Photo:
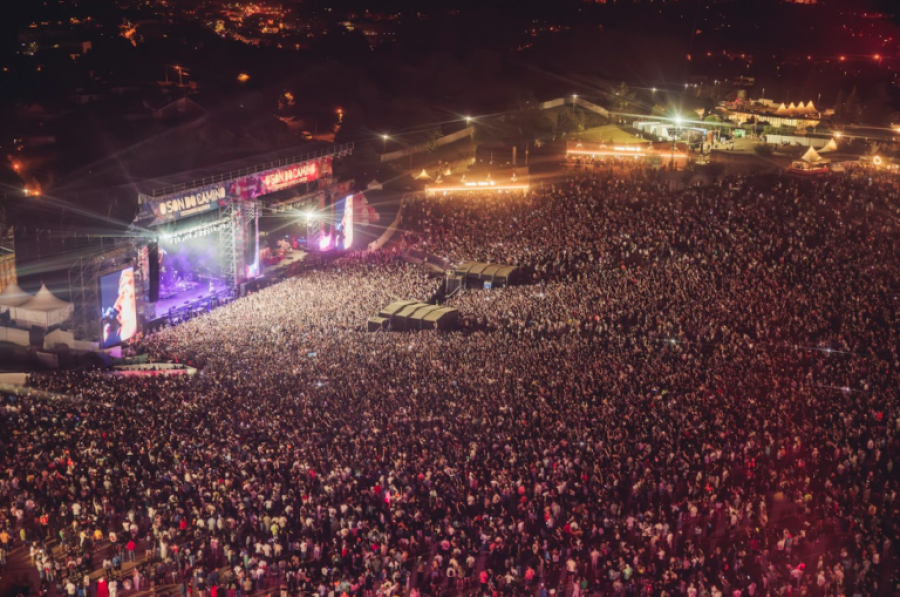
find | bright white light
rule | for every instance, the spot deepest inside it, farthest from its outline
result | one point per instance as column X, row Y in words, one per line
column 310, row 215
column 324, row 243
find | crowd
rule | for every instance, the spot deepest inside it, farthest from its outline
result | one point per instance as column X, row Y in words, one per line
column 695, row 395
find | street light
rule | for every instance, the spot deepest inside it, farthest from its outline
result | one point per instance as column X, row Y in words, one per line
column 384, row 139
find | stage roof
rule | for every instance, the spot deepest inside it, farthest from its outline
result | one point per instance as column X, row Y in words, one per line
column 116, row 175
column 609, row 133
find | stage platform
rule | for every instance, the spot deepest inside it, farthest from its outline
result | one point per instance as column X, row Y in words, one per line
column 182, row 299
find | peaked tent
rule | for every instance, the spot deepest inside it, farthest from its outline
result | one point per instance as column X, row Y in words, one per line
column 13, row 296
column 782, row 109
column 812, row 157
column 44, row 310
column 423, row 175
column 830, row 146
column 811, row 107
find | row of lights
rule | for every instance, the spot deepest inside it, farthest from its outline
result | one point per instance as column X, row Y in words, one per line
column 183, row 236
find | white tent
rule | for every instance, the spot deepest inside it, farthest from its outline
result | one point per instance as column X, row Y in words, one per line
column 13, row 296
column 830, row 146
column 811, row 107
column 812, row 157
column 374, row 185
column 782, row 109
column 44, row 310
column 423, row 175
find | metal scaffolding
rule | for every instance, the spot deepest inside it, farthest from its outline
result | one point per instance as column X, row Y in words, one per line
column 228, row 244
column 84, row 288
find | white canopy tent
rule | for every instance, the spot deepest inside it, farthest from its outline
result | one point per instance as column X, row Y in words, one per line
column 44, row 310
column 13, row 296
column 830, row 146
column 812, row 157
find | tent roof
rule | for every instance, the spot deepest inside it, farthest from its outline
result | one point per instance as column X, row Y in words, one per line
column 395, row 307
column 45, row 301
column 812, row 156
column 421, row 313
column 13, row 296
column 410, row 309
column 422, row 175
column 439, row 313
column 608, row 133
column 830, row 146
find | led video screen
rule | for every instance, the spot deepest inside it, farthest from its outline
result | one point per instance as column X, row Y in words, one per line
column 343, row 218
column 118, row 307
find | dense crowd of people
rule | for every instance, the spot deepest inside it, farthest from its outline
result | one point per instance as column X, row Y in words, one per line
column 695, row 394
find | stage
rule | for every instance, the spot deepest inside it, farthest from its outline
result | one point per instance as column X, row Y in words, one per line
column 193, row 297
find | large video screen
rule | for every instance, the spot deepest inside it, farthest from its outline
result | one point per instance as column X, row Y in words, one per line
column 118, row 308
column 343, row 218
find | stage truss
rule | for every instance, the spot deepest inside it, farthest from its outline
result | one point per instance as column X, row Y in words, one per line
column 240, row 218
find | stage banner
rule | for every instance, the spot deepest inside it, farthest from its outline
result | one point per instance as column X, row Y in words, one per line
column 282, row 178
column 159, row 210
column 189, row 203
